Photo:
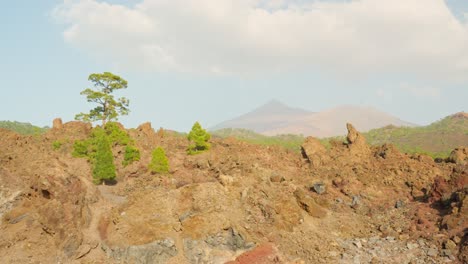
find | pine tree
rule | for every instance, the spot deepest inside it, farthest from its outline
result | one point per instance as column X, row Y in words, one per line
column 103, row 164
column 108, row 108
column 159, row 162
column 199, row 138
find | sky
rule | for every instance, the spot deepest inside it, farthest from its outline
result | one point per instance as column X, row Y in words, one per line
column 213, row 60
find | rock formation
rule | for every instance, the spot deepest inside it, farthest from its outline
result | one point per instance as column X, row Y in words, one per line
column 356, row 142
column 57, row 123
column 314, row 151
column 459, row 156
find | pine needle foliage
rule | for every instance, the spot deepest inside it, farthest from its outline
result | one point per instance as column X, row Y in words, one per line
column 131, row 154
column 108, row 107
column 159, row 162
column 103, row 165
column 199, row 139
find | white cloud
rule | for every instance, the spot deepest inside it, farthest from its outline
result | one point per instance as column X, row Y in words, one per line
column 360, row 37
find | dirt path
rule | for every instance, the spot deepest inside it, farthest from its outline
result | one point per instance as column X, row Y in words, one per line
column 91, row 235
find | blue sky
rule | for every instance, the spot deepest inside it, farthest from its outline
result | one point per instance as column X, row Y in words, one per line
column 211, row 60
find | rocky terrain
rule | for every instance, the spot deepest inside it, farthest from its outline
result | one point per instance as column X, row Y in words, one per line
column 236, row 203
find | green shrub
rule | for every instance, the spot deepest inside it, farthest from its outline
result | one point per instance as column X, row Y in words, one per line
column 56, row 145
column 159, row 162
column 199, row 138
column 81, row 149
column 103, row 164
column 116, row 134
column 131, row 154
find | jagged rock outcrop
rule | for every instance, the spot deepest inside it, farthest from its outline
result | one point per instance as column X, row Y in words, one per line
column 146, row 129
column 356, row 142
column 314, row 151
column 57, row 123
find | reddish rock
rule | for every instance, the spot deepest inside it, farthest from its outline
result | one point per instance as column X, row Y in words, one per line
column 264, row 254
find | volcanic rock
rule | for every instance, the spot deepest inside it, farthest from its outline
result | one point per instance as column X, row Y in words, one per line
column 459, row 156
column 356, row 142
column 309, row 205
column 57, row 123
column 314, row 151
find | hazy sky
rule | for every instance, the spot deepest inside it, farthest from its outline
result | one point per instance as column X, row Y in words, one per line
column 212, row 60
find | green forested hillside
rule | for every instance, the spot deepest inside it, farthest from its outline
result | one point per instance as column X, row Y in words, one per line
column 436, row 139
column 22, row 128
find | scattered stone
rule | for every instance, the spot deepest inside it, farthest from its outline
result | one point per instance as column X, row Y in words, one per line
column 411, row 246
column 357, row 244
column 432, row 252
column 356, row 201
column 277, row 178
column 338, row 182
column 319, row 188
column 399, row 204
column 449, row 244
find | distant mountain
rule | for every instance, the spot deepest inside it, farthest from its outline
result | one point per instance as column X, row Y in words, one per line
column 22, row 128
column 276, row 118
column 270, row 116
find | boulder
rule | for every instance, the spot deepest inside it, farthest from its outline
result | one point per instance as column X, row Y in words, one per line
column 314, row 151
column 387, row 151
column 309, row 205
column 459, row 156
column 319, row 188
